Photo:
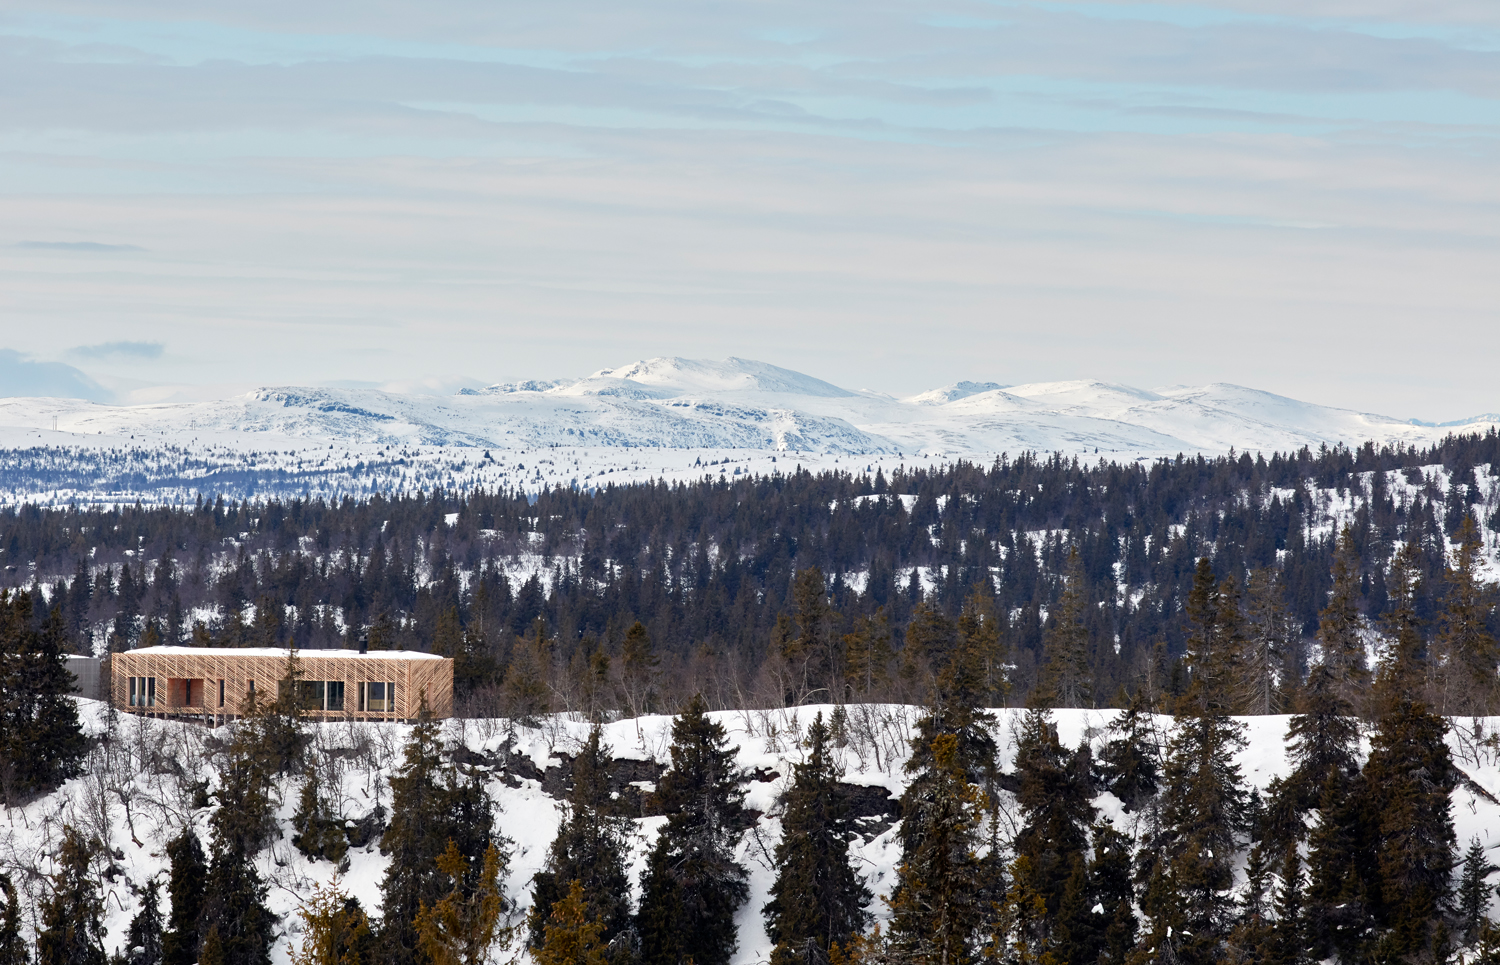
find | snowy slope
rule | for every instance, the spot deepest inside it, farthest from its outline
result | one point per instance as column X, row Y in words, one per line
column 659, row 418
column 137, row 802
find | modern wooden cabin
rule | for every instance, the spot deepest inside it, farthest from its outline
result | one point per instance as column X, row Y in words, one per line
column 211, row 682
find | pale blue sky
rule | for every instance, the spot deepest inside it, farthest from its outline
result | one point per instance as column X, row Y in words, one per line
column 1299, row 196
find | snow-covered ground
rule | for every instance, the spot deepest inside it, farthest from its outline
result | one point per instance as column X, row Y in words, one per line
column 160, row 761
column 666, row 418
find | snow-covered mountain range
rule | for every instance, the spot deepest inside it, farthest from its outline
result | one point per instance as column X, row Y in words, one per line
column 683, row 412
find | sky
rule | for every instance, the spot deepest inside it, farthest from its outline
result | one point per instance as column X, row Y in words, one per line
column 1301, row 196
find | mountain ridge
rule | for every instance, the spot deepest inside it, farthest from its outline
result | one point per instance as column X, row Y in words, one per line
column 687, row 412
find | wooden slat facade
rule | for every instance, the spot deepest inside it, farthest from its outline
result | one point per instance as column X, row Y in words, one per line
column 187, row 680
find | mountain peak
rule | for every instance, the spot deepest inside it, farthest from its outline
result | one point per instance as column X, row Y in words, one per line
column 688, row 376
column 952, row 393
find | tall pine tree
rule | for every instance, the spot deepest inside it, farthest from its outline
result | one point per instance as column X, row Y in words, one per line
column 72, row 931
column 1127, row 762
column 589, row 850
column 1066, row 677
column 693, row 884
column 41, row 741
column 1469, row 651
column 13, row 949
column 1054, row 796
column 431, row 806
column 818, row 899
column 1190, row 860
column 187, row 879
column 1409, row 779
column 1341, row 626
column 938, row 902
column 143, row 941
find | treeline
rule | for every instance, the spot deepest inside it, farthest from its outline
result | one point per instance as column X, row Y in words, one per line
column 537, row 596
column 1351, row 858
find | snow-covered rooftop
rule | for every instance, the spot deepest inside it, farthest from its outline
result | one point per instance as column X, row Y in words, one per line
column 282, row 652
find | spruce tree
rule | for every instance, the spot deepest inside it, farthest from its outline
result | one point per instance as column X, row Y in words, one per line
column 1487, row 947
column 245, row 820
column 525, row 688
column 867, row 656
column 1322, row 739
column 335, row 930
column 1190, row 861
column 1409, row 779
column 1127, row 762
column 234, row 906
column 1474, row 891
column 959, row 698
column 1253, row 937
column 1066, row 677
column 186, row 882
column 318, row 832
column 1270, row 643
column 1054, row 798
column 1096, row 921
column 213, row 948
column 464, row 925
column 983, row 648
column 13, row 949
column 813, row 655
column 589, row 849
column 1289, row 943
column 1341, row 625
column 937, row 903
column 72, row 926
column 638, row 676
column 1469, row 651
column 1343, row 888
column 430, row 807
column 143, row 941
column 693, row 885
column 41, row 741
column 1406, row 668
column 570, row 936
column 818, row 899
column 1216, row 644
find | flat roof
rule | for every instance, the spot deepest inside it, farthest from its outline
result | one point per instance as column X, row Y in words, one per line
column 282, row 653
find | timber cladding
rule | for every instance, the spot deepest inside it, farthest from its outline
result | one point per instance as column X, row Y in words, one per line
column 332, row 684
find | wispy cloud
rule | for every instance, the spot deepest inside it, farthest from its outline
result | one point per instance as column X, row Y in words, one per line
column 105, row 350
column 76, row 246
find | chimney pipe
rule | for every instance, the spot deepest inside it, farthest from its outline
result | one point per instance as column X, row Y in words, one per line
column 364, row 643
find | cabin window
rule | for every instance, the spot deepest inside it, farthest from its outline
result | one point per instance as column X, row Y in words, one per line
column 143, row 691
column 377, row 697
column 320, row 694
column 221, row 692
column 310, row 694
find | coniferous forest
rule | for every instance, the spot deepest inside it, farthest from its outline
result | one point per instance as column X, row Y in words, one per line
column 1068, row 674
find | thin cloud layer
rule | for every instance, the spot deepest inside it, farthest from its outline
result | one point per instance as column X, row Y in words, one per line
column 132, row 350
column 896, row 194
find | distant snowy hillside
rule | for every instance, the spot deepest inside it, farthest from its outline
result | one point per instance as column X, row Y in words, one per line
column 659, row 418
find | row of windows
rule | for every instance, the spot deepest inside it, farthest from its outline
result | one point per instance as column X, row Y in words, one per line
column 375, row 697
column 143, row 691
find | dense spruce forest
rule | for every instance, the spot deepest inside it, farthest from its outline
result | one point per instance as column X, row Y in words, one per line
column 537, row 596
column 1350, row 591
